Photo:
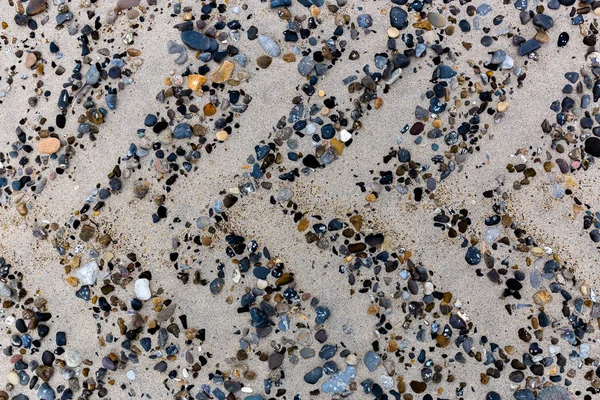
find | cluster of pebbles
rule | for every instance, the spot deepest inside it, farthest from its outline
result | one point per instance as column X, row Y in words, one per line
column 551, row 358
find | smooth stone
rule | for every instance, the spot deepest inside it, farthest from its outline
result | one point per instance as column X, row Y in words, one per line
column 269, row 46
column 529, row 47
column 125, row 4
column 313, row 376
column 436, row 19
column 141, row 289
column 372, row 360
column 196, row 40
column 182, row 131
column 338, row 382
column 48, row 145
column 35, row 7
column 398, row 18
column 554, row 393
column 473, row 256
column 592, row 146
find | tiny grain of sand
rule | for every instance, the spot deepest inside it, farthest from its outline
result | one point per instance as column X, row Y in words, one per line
column 410, row 295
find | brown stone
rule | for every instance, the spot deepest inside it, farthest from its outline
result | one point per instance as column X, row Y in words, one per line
column 87, row 232
column 49, row 145
column 30, row 60
column 264, row 61
column 223, row 73
column 35, row 7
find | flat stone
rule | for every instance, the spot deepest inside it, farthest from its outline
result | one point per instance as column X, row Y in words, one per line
column 223, row 73
column 195, row 40
column 48, row 145
column 125, row 4
column 35, row 7
column 269, row 46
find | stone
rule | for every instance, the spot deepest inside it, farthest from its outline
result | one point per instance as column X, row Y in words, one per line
column 48, row 145
column 182, row 131
column 554, row 393
column 73, row 358
column 269, row 46
column 592, row 146
column 398, row 18
column 223, row 73
column 196, row 81
column 141, row 289
column 125, row 4
column 436, row 19
column 195, row 40
column 35, row 7
column 88, row 273
column 313, row 376
column 30, row 60
column 338, row 382
column 372, row 360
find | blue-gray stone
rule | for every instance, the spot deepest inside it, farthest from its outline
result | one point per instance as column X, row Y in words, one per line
column 338, row 382
column 323, row 314
column 111, row 101
column 269, row 46
column 45, row 392
column 398, row 18
column 182, row 131
column 313, row 376
column 554, row 393
column 473, row 256
column 196, row 40
column 328, row 351
column 306, row 65
column 443, row 71
column 372, row 360
column 521, row 5
column 524, row 394
column 216, row 285
column 364, row 20
column 280, row 3
column 543, row 21
column 484, row 9
column 529, row 47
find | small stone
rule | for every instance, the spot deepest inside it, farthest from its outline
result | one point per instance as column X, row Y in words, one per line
column 48, row 145
column 88, row 273
column 264, row 61
column 30, row 60
column 436, row 19
column 372, row 360
column 269, row 46
column 222, row 136
column 196, row 81
column 141, row 289
column 313, row 376
column 223, row 73
column 542, row 297
column 35, row 7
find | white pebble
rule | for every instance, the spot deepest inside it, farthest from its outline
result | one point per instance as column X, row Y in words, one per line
column 141, row 289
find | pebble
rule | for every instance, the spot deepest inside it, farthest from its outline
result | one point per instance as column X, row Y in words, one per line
column 141, row 289
column 372, row 360
column 49, row 145
column 398, row 18
column 88, row 273
column 269, row 46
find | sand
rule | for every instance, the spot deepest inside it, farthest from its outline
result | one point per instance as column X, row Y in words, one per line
column 331, row 192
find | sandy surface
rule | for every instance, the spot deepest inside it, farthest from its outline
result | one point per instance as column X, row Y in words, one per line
column 330, row 192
